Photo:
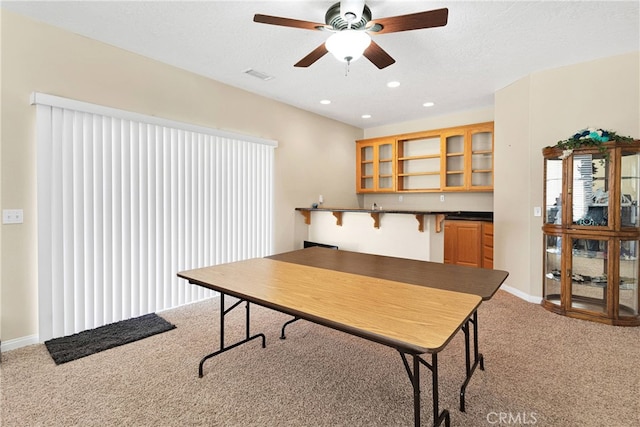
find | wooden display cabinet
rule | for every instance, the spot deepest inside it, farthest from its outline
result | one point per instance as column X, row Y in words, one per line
column 592, row 234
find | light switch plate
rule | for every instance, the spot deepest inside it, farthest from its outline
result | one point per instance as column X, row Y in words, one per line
column 537, row 211
column 12, row 216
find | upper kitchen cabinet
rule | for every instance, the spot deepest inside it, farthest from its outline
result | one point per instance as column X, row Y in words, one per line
column 375, row 165
column 467, row 161
column 451, row 159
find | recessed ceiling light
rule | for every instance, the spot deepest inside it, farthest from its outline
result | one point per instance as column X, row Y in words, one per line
column 428, row 104
column 325, row 102
column 393, row 84
column 366, row 116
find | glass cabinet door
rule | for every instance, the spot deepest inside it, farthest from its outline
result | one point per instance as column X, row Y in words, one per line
column 385, row 167
column 552, row 269
column 454, row 170
column 628, row 288
column 589, row 272
column 553, row 191
column 375, row 166
column 629, row 188
column 481, row 159
column 590, row 190
column 366, row 167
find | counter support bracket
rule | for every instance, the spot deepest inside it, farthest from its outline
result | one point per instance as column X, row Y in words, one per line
column 376, row 219
column 307, row 216
column 338, row 216
column 439, row 220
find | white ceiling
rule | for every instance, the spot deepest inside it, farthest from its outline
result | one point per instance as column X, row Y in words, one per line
column 485, row 46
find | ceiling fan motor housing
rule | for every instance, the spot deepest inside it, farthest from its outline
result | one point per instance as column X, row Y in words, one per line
column 337, row 22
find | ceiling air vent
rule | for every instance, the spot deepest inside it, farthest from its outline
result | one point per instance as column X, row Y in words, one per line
column 257, row 74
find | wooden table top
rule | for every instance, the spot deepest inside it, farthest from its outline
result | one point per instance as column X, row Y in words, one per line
column 414, row 319
column 477, row 281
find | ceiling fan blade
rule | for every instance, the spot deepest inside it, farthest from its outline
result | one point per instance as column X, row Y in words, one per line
column 287, row 22
column 412, row 21
column 316, row 54
column 378, row 56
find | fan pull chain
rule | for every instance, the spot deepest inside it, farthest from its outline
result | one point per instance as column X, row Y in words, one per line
column 346, row 68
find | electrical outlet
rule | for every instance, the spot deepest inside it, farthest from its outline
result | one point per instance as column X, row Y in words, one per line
column 12, row 216
column 400, row 199
column 442, row 197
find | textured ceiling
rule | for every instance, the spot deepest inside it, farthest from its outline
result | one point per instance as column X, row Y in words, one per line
column 485, row 46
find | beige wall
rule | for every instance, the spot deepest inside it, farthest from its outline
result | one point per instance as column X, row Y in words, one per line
column 40, row 58
column 512, row 184
column 433, row 122
column 538, row 111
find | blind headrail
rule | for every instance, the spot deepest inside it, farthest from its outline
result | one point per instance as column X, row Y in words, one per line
column 38, row 98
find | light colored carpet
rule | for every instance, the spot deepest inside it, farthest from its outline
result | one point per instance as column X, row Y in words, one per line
column 541, row 369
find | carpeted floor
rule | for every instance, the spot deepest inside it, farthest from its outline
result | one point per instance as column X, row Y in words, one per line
column 541, row 369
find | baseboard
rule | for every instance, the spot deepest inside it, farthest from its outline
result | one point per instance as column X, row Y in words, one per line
column 19, row 342
column 521, row 295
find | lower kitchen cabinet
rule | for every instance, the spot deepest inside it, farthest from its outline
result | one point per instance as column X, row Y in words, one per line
column 468, row 243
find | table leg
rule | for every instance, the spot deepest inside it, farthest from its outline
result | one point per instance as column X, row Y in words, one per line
column 224, row 348
column 444, row 415
column 415, row 382
column 478, row 358
column 282, row 335
column 414, row 377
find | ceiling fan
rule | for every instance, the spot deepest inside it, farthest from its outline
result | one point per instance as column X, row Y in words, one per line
column 351, row 23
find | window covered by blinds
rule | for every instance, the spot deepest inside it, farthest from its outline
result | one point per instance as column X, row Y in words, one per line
column 125, row 201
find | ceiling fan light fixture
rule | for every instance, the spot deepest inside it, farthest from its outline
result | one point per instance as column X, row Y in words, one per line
column 348, row 45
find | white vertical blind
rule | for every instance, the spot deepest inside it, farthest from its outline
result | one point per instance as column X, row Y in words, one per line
column 126, row 201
